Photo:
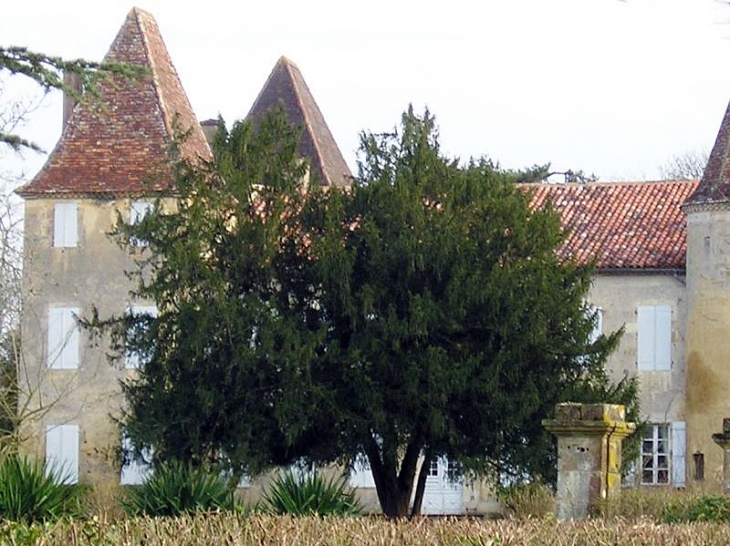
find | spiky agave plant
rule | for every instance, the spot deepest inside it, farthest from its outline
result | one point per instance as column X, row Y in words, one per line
column 176, row 488
column 310, row 494
column 30, row 491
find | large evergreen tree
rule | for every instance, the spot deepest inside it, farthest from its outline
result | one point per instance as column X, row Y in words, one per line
column 422, row 313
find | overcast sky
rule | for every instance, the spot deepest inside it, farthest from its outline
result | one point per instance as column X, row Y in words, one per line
column 614, row 88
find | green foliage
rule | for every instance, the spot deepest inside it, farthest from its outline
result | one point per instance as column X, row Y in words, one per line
column 310, row 494
column 424, row 311
column 176, row 488
column 224, row 379
column 48, row 72
column 28, row 494
column 705, row 508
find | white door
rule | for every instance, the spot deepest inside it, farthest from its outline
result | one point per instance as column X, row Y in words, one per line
column 442, row 496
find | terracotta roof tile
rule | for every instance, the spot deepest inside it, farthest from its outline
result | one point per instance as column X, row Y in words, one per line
column 715, row 184
column 114, row 145
column 286, row 86
column 623, row 225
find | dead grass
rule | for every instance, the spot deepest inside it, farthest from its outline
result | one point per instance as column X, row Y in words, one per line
column 270, row 530
column 651, row 502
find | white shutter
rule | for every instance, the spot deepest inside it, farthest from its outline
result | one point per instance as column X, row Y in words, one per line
column 137, row 211
column 63, row 338
column 361, row 475
column 645, row 338
column 131, row 358
column 597, row 325
column 679, row 450
column 62, row 452
column 135, row 472
column 663, row 337
column 65, row 225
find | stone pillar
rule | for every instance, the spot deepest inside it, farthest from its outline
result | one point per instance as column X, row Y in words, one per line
column 589, row 454
column 723, row 440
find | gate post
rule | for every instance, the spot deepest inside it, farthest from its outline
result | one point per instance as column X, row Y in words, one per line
column 723, row 440
column 589, row 454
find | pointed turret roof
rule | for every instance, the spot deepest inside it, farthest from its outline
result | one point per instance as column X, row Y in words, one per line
column 714, row 188
column 286, row 86
column 111, row 146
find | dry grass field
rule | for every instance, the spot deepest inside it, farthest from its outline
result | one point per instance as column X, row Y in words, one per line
column 270, row 530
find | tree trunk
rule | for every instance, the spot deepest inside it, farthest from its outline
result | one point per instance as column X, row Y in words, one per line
column 394, row 488
column 421, row 484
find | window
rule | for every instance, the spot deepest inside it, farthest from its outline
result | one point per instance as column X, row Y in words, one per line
column 597, row 325
column 133, row 358
column 63, row 338
column 655, row 455
column 654, row 338
column 65, row 225
column 434, row 468
column 134, row 471
column 137, row 211
column 663, row 458
column 62, row 452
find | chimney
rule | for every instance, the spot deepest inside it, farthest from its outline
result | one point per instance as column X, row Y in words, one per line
column 73, row 81
column 210, row 129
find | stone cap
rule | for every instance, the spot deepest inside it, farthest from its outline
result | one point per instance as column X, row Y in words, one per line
column 723, row 438
column 572, row 411
column 575, row 419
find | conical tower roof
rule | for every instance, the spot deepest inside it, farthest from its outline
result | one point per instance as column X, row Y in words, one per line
column 714, row 187
column 113, row 145
column 286, row 86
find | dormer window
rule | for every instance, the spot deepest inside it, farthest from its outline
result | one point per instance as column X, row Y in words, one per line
column 65, row 225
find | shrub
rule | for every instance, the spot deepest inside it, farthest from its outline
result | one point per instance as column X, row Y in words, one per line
column 28, row 493
column 705, row 508
column 176, row 488
column 310, row 494
column 528, row 500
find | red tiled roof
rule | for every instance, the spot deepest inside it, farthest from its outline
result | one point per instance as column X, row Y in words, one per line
column 623, row 225
column 286, row 87
column 714, row 187
column 114, row 145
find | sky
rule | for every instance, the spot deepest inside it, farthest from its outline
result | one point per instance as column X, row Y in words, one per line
column 610, row 87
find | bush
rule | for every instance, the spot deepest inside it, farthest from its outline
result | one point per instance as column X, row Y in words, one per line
column 174, row 489
column 310, row 495
column 29, row 494
column 528, row 500
column 705, row 508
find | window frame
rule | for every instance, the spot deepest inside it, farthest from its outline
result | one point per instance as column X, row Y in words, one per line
column 650, row 459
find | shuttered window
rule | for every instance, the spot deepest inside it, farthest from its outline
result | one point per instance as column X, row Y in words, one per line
column 137, row 211
column 679, row 450
column 361, row 475
column 63, row 338
column 132, row 358
column 62, row 452
column 65, row 225
column 597, row 312
column 135, row 471
column 654, row 337
column 655, row 455
column 663, row 454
